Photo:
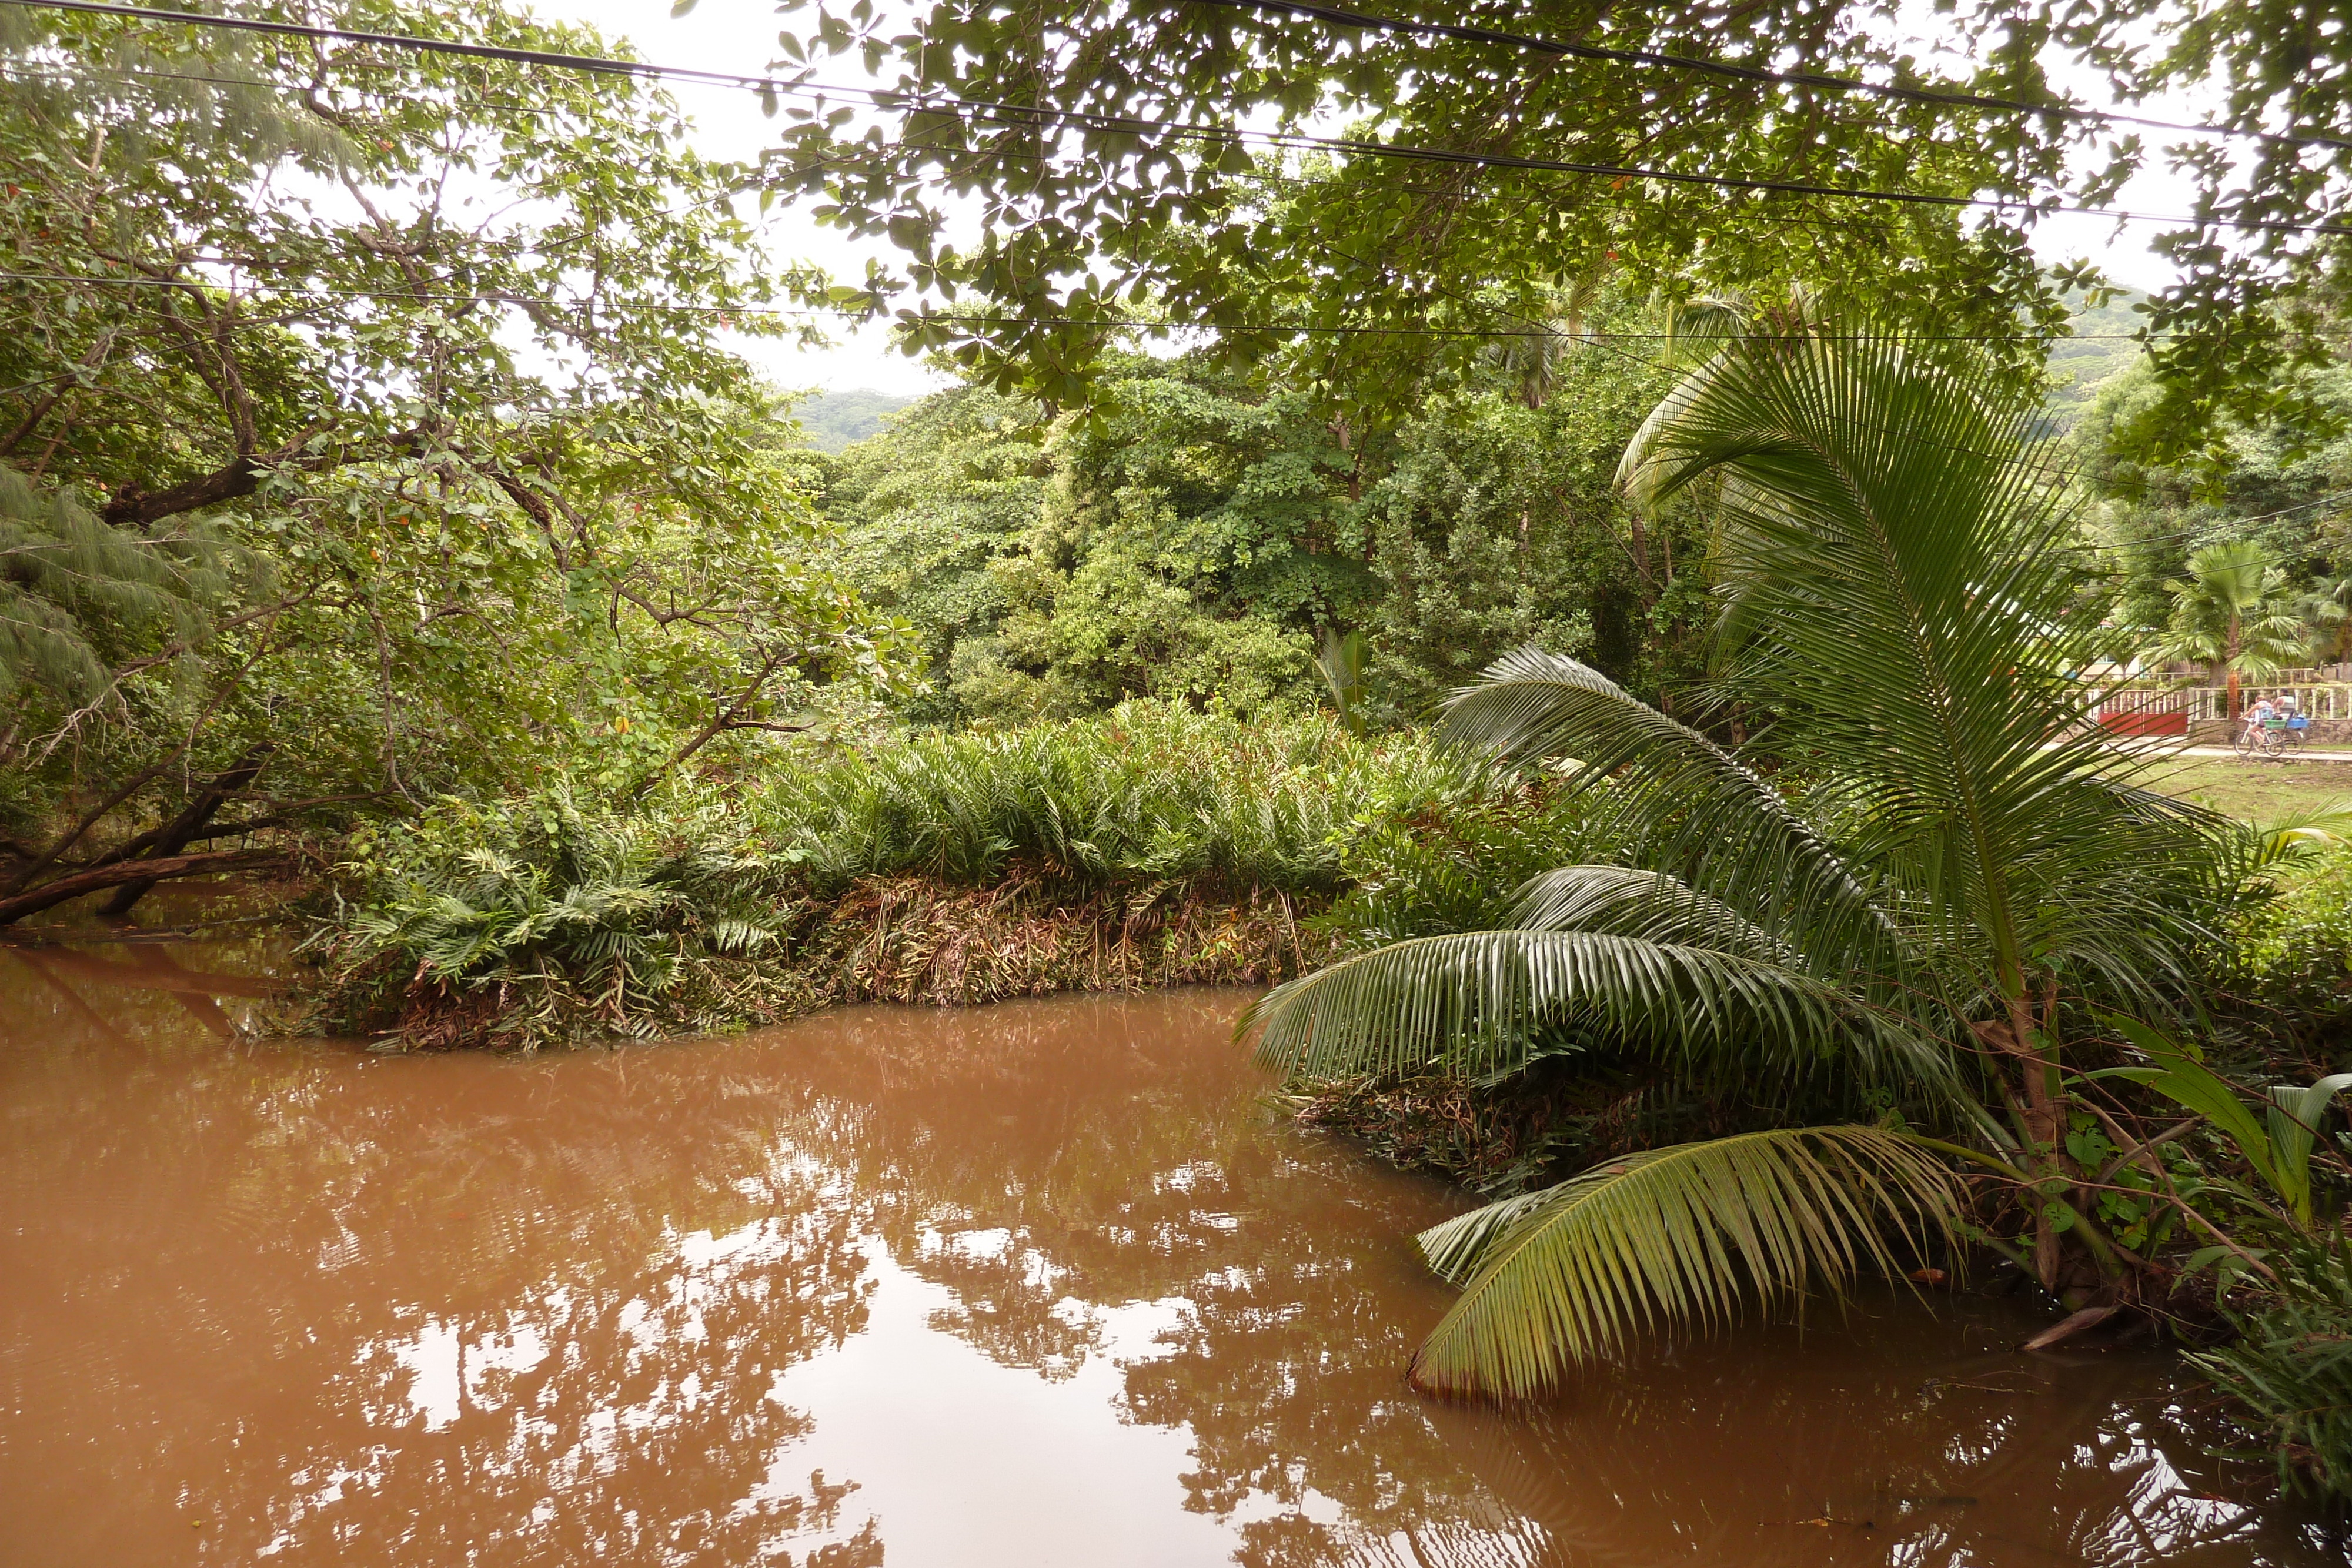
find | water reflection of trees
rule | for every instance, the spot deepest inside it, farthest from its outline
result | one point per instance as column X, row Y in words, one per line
column 514, row 1311
column 536, row 1310
column 1047, row 1166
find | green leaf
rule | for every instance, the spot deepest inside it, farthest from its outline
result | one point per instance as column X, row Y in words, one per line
column 1664, row 1238
column 1476, row 1001
column 2191, row 1083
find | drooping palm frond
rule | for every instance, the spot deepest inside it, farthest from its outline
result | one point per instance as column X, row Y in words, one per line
column 1626, row 900
column 1667, row 1237
column 1479, row 1001
column 1674, row 798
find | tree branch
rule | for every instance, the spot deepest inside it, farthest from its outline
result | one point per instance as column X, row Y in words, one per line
column 50, row 894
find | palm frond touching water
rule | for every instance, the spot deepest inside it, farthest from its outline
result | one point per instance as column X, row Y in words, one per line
column 1927, row 845
column 1667, row 1236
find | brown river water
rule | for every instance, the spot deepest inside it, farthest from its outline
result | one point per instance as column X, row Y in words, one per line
column 1036, row 1283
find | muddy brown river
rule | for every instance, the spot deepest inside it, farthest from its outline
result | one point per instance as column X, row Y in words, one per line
column 1030, row 1284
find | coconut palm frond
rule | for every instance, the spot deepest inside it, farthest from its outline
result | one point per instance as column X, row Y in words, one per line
column 1479, row 1001
column 1625, row 901
column 1668, row 1237
column 1673, row 797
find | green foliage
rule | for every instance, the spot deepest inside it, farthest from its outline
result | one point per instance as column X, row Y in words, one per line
column 2294, row 950
column 1203, row 535
column 543, row 918
column 2275, row 482
column 418, row 484
column 1665, row 1236
column 1341, row 665
column 1455, row 864
column 1897, row 590
column 2101, row 344
column 2256, row 306
column 2233, row 612
column 925, row 508
column 2278, row 1147
column 1498, row 528
column 2291, row 1367
column 563, row 923
column 1119, row 223
column 1144, row 792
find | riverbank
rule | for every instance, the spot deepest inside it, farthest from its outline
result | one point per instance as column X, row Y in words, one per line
column 1150, row 847
column 917, row 940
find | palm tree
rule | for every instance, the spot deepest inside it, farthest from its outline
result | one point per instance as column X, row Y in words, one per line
column 2326, row 607
column 1906, row 882
column 2234, row 614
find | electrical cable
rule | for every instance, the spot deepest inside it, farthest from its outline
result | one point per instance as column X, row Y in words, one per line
column 1464, row 33
column 1032, row 115
column 1114, row 323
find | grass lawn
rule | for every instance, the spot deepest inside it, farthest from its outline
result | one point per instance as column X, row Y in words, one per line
column 2256, row 790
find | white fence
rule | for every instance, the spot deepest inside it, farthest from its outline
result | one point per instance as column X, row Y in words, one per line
column 2141, row 709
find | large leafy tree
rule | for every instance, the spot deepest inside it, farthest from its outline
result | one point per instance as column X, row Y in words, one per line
column 1202, row 533
column 1073, row 166
column 1082, row 163
column 2260, row 289
column 369, row 414
column 1914, row 878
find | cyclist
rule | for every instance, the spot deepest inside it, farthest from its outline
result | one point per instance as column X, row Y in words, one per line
column 2251, row 738
column 2290, row 713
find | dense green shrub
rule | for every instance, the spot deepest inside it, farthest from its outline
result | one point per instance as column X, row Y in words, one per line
column 1454, row 862
column 551, row 915
column 536, row 918
column 1145, row 791
column 2295, row 950
column 2291, row 1367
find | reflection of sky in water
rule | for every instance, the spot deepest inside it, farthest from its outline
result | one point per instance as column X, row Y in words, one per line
column 1027, row 1285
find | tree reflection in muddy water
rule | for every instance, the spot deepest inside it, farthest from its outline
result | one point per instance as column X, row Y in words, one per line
column 1032, row 1283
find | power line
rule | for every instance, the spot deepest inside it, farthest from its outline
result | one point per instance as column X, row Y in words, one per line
column 1724, row 68
column 1032, row 115
column 77, row 70
column 1124, row 323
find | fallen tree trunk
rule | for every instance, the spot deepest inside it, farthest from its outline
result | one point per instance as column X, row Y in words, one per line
column 174, row 836
column 49, row 895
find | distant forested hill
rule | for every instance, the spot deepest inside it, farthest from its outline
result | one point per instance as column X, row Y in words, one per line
column 2100, row 347
column 833, row 420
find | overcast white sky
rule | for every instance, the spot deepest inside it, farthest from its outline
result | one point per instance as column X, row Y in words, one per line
column 740, row 36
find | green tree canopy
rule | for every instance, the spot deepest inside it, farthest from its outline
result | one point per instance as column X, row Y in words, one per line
column 370, row 406
column 1095, row 154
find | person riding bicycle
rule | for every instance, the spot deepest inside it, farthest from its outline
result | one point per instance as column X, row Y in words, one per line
column 2261, row 714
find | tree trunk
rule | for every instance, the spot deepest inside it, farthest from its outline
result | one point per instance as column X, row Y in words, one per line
column 50, row 894
column 176, row 834
column 2230, row 650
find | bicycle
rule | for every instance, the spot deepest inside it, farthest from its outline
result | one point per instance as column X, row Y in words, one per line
column 2270, row 740
column 2266, row 741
